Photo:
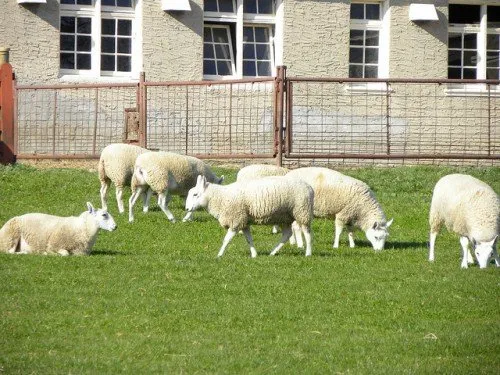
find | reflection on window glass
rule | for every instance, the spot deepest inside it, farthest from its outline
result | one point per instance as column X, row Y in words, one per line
column 217, row 51
column 363, row 53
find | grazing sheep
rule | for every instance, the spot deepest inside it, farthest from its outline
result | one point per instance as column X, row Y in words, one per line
column 48, row 234
column 253, row 171
column 167, row 173
column 349, row 200
column 470, row 208
column 269, row 200
column 116, row 165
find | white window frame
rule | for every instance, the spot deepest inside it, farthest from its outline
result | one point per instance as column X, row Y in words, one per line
column 463, row 89
column 97, row 12
column 239, row 19
column 230, row 43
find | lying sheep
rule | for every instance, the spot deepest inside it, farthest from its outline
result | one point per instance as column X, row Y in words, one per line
column 167, row 173
column 116, row 165
column 349, row 200
column 48, row 234
column 470, row 208
column 269, row 200
column 253, row 171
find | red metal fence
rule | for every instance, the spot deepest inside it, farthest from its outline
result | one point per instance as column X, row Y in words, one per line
column 284, row 118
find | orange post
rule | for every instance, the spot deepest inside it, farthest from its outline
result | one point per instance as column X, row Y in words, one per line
column 7, row 136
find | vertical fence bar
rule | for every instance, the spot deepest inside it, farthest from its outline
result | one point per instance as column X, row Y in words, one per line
column 187, row 121
column 54, row 121
column 289, row 116
column 489, row 119
column 388, row 117
column 94, row 136
column 230, row 118
column 143, row 136
column 280, row 96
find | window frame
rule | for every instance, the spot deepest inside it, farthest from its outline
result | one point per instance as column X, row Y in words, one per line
column 230, row 43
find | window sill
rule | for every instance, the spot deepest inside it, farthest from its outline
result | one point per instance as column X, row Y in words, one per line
column 71, row 78
column 465, row 89
column 367, row 88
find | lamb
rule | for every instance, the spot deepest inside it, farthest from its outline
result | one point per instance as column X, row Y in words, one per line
column 470, row 208
column 167, row 173
column 269, row 200
column 48, row 234
column 116, row 165
column 349, row 200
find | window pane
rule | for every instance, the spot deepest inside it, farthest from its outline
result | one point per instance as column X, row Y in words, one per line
column 371, row 55
column 470, row 41
column 263, row 52
column 491, row 73
column 371, row 71
column 226, row 6
column 455, row 58
column 249, row 69
column 248, row 34
column 224, row 68
column 371, row 38
column 107, row 44
column 124, row 3
column 220, row 36
column 263, row 68
column 248, row 51
column 492, row 41
column 84, row 25
column 108, row 63
column 493, row 16
column 83, row 43
column 357, row 11
column 210, row 6
column 356, row 38
column 470, row 58
column 83, row 61
column 356, row 55
column 266, row 6
column 355, row 71
column 67, row 42
column 108, row 2
column 372, row 11
column 222, row 52
column 209, row 67
column 67, row 1
column 454, row 73
column 84, row 2
column 492, row 59
column 124, row 27
column 124, row 45
column 250, row 6
column 465, row 14
column 67, row 61
column 208, row 51
column 469, row 73
column 108, row 27
column 124, row 64
column 455, row 40
column 207, row 34
column 67, row 24
column 262, row 34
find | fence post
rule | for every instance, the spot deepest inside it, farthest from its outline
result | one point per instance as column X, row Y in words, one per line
column 143, row 119
column 7, row 136
column 278, row 125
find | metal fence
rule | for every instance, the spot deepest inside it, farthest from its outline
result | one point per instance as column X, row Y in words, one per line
column 282, row 118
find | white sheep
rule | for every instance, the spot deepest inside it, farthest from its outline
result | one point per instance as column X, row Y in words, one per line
column 167, row 173
column 253, row 171
column 470, row 208
column 48, row 234
column 349, row 200
column 116, row 164
column 269, row 200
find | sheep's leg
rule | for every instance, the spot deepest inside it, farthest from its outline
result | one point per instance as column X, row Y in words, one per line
column 163, row 200
column 350, row 235
column 296, row 236
column 248, row 236
column 63, row 252
column 188, row 217
column 470, row 258
column 104, row 191
column 146, row 198
column 131, row 202
column 432, row 242
column 464, row 241
column 276, row 229
column 286, row 233
column 229, row 236
column 308, row 237
column 497, row 258
column 338, row 230
column 119, row 200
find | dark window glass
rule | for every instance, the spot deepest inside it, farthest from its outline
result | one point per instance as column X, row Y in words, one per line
column 356, row 55
column 67, row 42
column 470, row 41
column 209, row 67
column 83, row 43
column 356, row 71
column 469, row 73
column 464, row 14
column 207, row 34
column 491, row 73
column 210, row 6
column 455, row 58
column 226, row 6
column 67, row 61
column 108, row 2
column 356, row 38
column 107, row 44
column 84, row 2
column 249, row 69
column 222, row 51
column 470, row 58
column 250, row 6
column 248, row 51
column 492, row 41
column 124, row 3
column 371, row 72
column 67, row 24
column 224, row 68
column 371, row 38
column 220, row 36
column 208, row 51
column 372, row 11
column 67, row 1
column 265, row 7
column 261, row 34
column 108, row 27
column 124, row 27
column 357, row 11
column 454, row 40
column 124, row 64
column 248, row 34
column 492, row 59
column 83, row 61
column 263, row 52
column 108, row 63
column 454, row 73
column 124, row 45
column 493, row 16
column 84, row 25
column 371, row 55
column 263, row 68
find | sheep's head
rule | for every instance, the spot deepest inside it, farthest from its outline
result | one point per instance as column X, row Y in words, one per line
column 484, row 251
column 196, row 197
column 103, row 219
column 377, row 234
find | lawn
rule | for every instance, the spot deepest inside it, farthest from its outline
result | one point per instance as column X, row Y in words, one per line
column 153, row 299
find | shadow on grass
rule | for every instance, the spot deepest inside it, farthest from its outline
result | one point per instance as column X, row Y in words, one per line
column 107, row 252
column 406, row 245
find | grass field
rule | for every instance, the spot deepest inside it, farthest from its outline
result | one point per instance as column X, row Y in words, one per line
column 153, row 299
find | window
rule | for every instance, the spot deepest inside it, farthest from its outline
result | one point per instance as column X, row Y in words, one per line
column 473, row 41
column 97, row 38
column 240, row 38
column 364, row 40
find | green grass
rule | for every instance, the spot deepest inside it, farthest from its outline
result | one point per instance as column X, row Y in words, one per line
column 153, row 298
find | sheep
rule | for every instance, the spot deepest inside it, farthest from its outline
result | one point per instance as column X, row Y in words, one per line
column 116, row 164
column 253, row 171
column 167, row 173
column 349, row 200
column 48, row 234
column 269, row 200
column 470, row 208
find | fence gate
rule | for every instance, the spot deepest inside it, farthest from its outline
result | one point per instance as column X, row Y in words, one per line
column 7, row 136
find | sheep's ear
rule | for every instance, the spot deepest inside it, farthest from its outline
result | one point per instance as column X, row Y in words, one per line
column 375, row 225
column 199, row 180
column 389, row 223
column 90, row 207
column 221, row 179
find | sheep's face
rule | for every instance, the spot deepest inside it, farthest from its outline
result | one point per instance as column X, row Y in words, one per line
column 484, row 251
column 103, row 218
column 196, row 198
column 377, row 235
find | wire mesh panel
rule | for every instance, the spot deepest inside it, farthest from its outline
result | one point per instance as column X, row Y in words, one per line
column 212, row 119
column 69, row 120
